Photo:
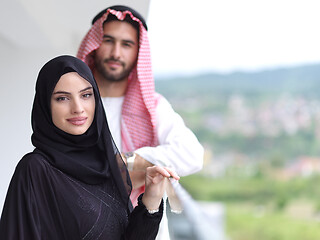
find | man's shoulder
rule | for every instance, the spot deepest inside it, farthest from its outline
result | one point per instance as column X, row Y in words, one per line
column 162, row 102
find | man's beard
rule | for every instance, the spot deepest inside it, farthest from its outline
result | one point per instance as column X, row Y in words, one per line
column 107, row 75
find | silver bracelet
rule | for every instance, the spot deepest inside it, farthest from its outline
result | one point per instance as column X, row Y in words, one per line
column 153, row 211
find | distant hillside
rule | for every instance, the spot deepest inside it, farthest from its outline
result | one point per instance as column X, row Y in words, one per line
column 302, row 79
column 267, row 115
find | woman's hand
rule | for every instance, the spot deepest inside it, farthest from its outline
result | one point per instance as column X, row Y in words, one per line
column 156, row 178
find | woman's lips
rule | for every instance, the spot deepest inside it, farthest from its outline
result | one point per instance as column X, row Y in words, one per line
column 77, row 120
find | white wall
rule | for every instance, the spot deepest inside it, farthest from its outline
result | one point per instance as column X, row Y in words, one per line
column 31, row 33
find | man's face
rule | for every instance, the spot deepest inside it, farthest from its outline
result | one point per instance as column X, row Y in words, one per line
column 118, row 52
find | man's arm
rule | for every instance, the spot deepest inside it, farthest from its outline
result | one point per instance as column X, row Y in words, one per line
column 137, row 169
column 178, row 146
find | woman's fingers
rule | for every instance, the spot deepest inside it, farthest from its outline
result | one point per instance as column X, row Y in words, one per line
column 172, row 173
column 164, row 171
column 156, row 184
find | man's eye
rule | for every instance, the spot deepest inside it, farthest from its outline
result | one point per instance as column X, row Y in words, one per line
column 106, row 40
column 127, row 45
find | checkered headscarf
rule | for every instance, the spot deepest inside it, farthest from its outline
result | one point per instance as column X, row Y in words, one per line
column 138, row 111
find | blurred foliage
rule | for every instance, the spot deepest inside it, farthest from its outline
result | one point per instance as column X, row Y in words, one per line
column 258, row 208
column 252, row 223
column 258, row 205
column 260, row 190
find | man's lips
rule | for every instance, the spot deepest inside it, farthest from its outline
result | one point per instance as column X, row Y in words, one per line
column 114, row 64
column 77, row 120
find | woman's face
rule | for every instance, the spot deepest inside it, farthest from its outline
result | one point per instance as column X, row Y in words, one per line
column 72, row 104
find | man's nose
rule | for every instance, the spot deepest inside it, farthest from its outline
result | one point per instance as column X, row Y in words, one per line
column 116, row 51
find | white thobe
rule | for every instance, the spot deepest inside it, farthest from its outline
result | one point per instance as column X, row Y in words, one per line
column 178, row 146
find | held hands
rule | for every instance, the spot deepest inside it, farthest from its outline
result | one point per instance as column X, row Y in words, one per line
column 155, row 184
column 137, row 170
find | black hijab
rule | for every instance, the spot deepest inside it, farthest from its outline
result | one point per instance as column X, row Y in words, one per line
column 91, row 157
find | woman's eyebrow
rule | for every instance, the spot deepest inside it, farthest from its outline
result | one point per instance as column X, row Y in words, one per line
column 61, row 92
column 65, row 92
column 88, row 88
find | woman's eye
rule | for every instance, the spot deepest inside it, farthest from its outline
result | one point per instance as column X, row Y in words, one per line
column 61, row 99
column 87, row 95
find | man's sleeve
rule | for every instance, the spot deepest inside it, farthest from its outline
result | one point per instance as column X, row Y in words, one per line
column 178, row 147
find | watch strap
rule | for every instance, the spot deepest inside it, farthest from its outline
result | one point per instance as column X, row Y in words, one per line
column 130, row 157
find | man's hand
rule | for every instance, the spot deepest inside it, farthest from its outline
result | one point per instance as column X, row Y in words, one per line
column 139, row 163
column 138, row 173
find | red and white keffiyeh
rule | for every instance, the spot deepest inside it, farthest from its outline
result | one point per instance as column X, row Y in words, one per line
column 138, row 111
column 138, row 126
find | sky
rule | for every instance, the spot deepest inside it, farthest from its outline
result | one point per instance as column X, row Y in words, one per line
column 191, row 36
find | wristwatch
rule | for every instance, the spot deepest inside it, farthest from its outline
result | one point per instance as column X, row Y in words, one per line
column 130, row 157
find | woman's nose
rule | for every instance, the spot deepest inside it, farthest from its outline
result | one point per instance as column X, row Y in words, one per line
column 77, row 107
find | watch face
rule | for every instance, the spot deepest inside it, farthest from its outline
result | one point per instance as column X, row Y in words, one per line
column 128, row 154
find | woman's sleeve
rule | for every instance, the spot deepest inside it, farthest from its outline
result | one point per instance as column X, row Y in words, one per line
column 143, row 225
column 19, row 219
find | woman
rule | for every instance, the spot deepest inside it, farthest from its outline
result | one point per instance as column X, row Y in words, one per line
column 74, row 185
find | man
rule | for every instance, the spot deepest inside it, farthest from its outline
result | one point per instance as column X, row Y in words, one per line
column 144, row 126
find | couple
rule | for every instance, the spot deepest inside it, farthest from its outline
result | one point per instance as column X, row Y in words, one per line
column 75, row 185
